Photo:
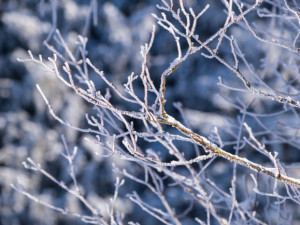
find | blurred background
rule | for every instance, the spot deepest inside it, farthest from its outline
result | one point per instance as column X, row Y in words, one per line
column 115, row 30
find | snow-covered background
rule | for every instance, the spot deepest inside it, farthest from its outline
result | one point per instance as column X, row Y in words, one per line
column 115, row 30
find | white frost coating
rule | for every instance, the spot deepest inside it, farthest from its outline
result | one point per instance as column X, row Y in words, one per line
column 272, row 170
column 171, row 119
column 205, row 139
column 213, row 145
